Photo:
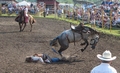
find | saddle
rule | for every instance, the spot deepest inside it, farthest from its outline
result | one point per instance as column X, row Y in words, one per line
column 17, row 19
column 72, row 27
column 77, row 29
column 22, row 17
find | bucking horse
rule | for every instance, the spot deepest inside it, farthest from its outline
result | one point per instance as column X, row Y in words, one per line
column 76, row 34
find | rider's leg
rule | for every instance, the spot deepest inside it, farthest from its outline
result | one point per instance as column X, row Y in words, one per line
column 26, row 18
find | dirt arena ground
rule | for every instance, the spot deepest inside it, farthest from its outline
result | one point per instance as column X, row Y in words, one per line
column 15, row 46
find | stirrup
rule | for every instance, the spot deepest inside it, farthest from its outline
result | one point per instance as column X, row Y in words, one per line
column 54, row 51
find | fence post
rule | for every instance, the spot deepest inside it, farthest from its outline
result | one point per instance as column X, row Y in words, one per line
column 102, row 18
column 110, row 19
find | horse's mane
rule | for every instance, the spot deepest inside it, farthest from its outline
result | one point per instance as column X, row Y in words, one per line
column 22, row 16
column 21, row 12
column 81, row 26
column 93, row 31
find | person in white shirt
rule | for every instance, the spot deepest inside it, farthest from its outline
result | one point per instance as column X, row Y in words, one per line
column 26, row 13
column 105, row 67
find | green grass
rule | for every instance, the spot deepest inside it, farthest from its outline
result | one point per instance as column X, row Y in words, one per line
column 114, row 31
column 8, row 14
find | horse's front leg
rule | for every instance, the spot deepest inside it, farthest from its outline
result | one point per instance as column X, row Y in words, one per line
column 24, row 26
column 20, row 27
column 83, row 43
column 87, row 43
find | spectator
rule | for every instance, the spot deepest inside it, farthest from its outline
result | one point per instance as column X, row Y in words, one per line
column 117, row 19
column 31, row 5
column 105, row 67
column 59, row 12
column 47, row 11
column 44, row 13
column 3, row 9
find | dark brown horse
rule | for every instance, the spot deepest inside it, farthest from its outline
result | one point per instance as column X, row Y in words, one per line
column 22, row 23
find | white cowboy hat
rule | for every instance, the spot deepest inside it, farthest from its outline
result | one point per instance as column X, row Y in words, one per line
column 106, row 56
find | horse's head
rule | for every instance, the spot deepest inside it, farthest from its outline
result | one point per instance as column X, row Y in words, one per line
column 94, row 41
column 94, row 37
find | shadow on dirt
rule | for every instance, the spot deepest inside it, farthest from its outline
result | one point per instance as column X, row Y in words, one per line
column 62, row 62
column 9, row 32
column 66, row 62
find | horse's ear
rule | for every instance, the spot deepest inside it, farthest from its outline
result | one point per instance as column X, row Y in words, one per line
column 81, row 24
column 98, row 33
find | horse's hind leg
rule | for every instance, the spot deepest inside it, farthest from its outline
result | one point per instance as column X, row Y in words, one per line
column 62, row 49
column 31, row 22
column 31, row 27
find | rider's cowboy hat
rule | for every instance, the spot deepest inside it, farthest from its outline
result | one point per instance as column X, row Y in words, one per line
column 106, row 56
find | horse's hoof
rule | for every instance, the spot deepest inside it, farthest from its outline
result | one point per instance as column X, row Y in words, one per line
column 82, row 50
column 82, row 44
column 60, row 54
column 93, row 47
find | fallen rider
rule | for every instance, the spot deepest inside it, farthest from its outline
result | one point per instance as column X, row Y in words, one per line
column 43, row 58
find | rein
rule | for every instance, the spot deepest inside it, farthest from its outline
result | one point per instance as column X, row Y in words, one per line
column 75, row 52
column 79, row 33
column 74, row 37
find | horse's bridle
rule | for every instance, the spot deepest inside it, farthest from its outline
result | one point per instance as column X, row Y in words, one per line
column 94, row 41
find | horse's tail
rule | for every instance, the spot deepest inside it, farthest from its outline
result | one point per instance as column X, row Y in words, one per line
column 54, row 42
column 32, row 19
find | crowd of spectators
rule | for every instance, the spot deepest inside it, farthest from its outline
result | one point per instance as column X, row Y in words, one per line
column 105, row 15
column 14, row 8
